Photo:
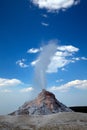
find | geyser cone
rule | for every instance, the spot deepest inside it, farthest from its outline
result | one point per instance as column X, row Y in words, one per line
column 45, row 103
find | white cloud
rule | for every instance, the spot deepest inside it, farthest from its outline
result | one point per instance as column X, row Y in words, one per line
column 84, row 58
column 64, row 69
column 63, row 56
column 59, row 80
column 33, row 50
column 78, row 58
column 79, row 84
column 55, row 5
column 77, row 2
column 6, row 91
column 9, row 82
column 56, row 63
column 24, row 90
column 33, row 63
column 45, row 24
column 21, row 63
column 44, row 15
column 68, row 48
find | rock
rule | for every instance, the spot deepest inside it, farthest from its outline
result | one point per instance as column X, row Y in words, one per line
column 46, row 103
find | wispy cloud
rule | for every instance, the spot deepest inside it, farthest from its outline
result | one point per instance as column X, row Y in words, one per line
column 84, row 58
column 25, row 90
column 45, row 24
column 59, row 80
column 78, row 58
column 9, row 82
column 63, row 69
column 33, row 50
column 79, row 84
column 64, row 55
column 33, row 63
column 21, row 63
column 55, row 5
column 56, row 63
column 68, row 48
column 45, row 15
column 6, row 91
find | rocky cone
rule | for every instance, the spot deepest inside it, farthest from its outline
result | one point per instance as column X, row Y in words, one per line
column 46, row 103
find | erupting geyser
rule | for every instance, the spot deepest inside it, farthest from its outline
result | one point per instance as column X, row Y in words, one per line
column 45, row 103
column 44, row 60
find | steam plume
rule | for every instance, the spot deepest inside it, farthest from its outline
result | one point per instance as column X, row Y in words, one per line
column 43, row 62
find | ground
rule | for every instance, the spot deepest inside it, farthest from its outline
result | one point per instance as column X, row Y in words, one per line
column 60, row 121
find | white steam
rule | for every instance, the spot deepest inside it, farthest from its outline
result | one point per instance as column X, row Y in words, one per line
column 44, row 60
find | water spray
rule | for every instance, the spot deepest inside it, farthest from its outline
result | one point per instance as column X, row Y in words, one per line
column 41, row 66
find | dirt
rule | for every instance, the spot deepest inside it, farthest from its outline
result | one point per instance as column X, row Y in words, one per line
column 60, row 121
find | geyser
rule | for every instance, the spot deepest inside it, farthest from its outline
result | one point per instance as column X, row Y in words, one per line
column 44, row 104
column 44, row 60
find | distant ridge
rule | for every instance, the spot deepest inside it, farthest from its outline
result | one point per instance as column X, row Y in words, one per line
column 82, row 109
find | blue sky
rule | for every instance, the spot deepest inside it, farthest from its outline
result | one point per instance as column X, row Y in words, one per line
column 26, row 27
